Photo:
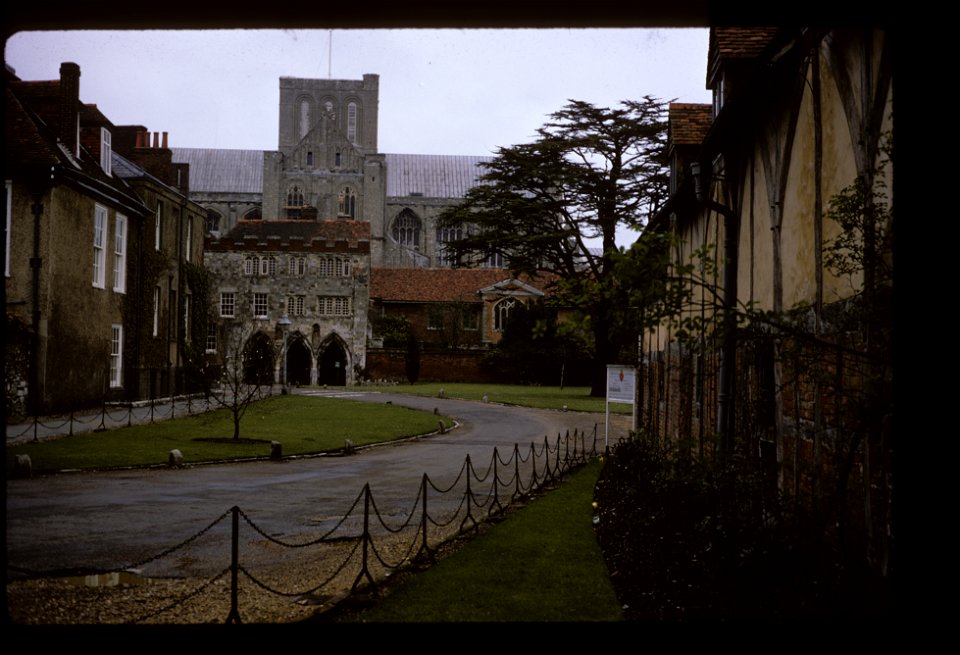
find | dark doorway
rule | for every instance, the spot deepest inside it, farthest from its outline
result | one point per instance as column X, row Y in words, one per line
column 258, row 360
column 298, row 363
column 332, row 368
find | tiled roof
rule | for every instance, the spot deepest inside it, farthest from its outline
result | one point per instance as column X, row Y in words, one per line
column 433, row 284
column 215, row 170
column 741, row 42
column 689, row 123
column 432, row 176
column 331, row 230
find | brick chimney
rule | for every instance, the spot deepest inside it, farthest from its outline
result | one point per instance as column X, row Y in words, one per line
column 69, row 105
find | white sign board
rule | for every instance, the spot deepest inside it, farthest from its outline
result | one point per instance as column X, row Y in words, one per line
column 621, row 388
column 621, row 384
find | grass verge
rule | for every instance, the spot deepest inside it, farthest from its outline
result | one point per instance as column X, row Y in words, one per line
column 303, row 425
column 541, row 563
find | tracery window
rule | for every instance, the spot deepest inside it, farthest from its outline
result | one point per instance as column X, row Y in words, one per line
column 406, row 229
column 445, row 235
column 501, row 313
column 295, row 202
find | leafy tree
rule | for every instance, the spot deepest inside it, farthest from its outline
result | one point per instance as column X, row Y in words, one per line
column 542, row 206
column 537, row 348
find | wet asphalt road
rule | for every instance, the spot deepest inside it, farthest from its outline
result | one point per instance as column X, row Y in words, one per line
column 113, row 519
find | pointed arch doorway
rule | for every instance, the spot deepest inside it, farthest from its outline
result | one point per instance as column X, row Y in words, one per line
column 299, row 361
column 258, row 360
column 332, row 364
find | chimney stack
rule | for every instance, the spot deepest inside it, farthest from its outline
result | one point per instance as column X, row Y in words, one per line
column 156, row 139
column 70, row 105
column 164, row 139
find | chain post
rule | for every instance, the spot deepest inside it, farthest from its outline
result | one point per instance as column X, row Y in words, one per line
column 516, row 470
column 129, row 415
column 234, row 616
column 496, row 481
column 469, row 493
column 153, row 402
column 103, row 416
column 36, row 419
column 364, row 570
column 71, row 423
column 424, row 547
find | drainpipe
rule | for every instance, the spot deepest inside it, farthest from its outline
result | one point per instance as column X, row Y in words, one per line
column 728, row 351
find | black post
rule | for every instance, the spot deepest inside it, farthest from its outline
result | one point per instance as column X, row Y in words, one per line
column 516, row 470
column 469, row 493
column 364, row 571
column 496, row 498
column 424, row 547
column 234, row 616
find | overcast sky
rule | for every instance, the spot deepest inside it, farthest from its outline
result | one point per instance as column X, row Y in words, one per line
column 446, row 91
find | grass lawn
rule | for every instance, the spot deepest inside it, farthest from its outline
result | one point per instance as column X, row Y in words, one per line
column 577, row 399
column 541, row 563
column 301, row 424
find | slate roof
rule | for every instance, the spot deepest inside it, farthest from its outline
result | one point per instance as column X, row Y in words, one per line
column 217, row 170
column 689, row 123
column 432, row 176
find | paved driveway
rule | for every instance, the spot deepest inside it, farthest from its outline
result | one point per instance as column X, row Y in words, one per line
column 112, row 519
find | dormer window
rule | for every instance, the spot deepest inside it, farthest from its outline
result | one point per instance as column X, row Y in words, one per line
column 106, row 151
column 718, row 97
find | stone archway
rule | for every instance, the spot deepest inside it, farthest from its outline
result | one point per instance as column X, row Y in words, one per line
column 332, row 363
column 258, row 360
column 299, row 362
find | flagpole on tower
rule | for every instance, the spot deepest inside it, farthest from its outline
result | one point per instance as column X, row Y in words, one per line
column 329, row 54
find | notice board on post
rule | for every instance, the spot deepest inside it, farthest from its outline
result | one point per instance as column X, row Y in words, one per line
column 621, row 388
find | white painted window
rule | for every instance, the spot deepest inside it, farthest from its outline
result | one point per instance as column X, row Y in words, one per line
column 260, row 305
column 248, row 266
column 116, row 356
column 211, row 345
column 120, row 254
column 156, row 227
column 227, row 304
column 106, row 151
column 99, row 246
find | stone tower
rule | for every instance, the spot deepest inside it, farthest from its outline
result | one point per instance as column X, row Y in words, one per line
column 327, row 165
